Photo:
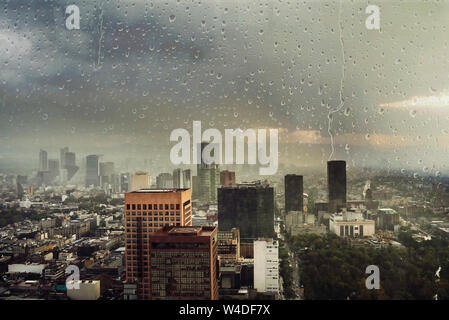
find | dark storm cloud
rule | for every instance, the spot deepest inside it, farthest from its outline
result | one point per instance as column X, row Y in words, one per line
column 138, row 69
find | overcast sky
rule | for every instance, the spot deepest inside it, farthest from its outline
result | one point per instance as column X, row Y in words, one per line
column 138, row 69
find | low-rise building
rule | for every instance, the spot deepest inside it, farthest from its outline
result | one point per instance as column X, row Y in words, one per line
column 83, row 290
column 26, row 268
column 298, row 222
column 351, row 224
column 387, row 219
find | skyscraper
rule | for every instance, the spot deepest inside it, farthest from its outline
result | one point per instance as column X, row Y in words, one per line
column 67, row 164
column 178, row 178
column 53, row 167
column 43, row 165
column 106, row 173
column 336, row 183
column 92, row 168
column 208, row 178
column 124, row 182
column 204, row 179
column 248, row 207
column 115, row 182
column 19, row 188
column 62, row 157
column 146, row 211
column 183, row 264
column 164, row 180
column 69, row 159
column 187, row 178
column 195, row 188
column 293, row 193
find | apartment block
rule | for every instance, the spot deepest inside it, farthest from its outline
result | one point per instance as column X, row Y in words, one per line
column 183, row 264
column 147, row 211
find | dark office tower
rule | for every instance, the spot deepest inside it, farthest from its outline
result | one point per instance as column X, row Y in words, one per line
column 92, row 168
column 43, row 165
column 248, row 207
column 53, row 167
column 183, row 263
column 293, row 193
column 187, row 178
column 177, row 178
column 147, row 211
column 336, row 184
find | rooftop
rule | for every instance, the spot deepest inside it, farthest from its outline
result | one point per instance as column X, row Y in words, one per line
column 253, row 184
column 185, row 231
column 387, row 211
column 167, row 190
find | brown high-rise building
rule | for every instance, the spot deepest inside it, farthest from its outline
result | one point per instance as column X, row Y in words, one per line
column 147, row 211
column 227, row 178
column 183, row 264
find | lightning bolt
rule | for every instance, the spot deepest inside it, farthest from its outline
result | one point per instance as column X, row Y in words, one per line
column 338, row 108
column 98, row 66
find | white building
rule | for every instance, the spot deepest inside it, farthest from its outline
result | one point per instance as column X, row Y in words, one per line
column 140, row 180
column 26, row 268
column 266, row 265
column 83, row 290
column 351, row 224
